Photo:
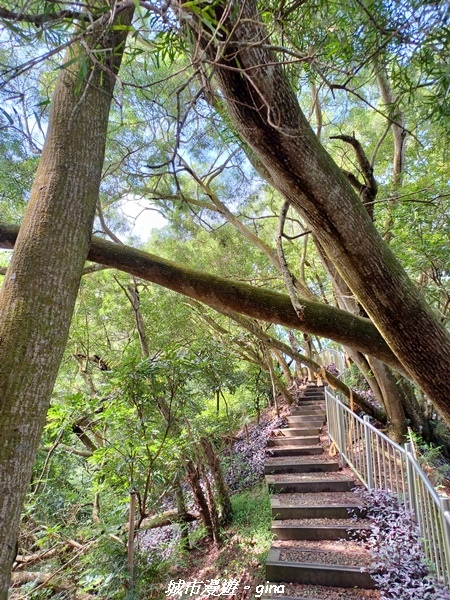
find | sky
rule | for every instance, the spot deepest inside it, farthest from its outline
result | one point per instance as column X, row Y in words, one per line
column 142, row 218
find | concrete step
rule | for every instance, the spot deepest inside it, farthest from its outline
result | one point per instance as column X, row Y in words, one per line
column 336, row 505
column 297, row 431
column 309, row 420
column 281, row 440
column 298, row 465
column 309, row 402
column 307, row 483
column 281, row 567
column 299, row 415
column 313, row 450
column 308, row 411
column 309, row 529
column 301, row 410
column 313, row 400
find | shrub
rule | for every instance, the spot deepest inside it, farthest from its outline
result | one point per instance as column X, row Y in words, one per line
column 399, row 565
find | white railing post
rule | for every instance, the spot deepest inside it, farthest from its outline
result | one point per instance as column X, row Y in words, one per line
column 341, row 434
column 368, row 443
column 411, row 481
column 445, row 508
column 328, row 409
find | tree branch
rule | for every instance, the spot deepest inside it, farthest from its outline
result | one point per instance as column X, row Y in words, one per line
column 288, row 278
column 70, row 450
column 224, row 294
column 369, row 190
column 43, row 18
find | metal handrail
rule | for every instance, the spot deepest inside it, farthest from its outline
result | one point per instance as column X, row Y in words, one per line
column 381, row 464
column 331, row 355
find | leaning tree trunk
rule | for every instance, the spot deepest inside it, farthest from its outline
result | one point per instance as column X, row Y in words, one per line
column 41, row 284
column 384, row 386
column 225, row 294
column 266, row 113
column 182, row 511
column 284, row 367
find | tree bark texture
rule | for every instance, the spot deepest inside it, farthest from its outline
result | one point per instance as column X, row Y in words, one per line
column 182, row 512
column 41, row 283
column 266, row 113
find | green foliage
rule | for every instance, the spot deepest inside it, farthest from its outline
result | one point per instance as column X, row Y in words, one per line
column 136, row 410
column 252, row 518
column 431, row 459
column 353, row 377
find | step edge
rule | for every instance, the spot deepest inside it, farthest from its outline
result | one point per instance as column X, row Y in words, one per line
column 319, row 567
column 278, row 524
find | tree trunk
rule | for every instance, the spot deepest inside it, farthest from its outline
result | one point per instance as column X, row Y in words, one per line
column 183, row 514
column 377, row 375
column 41, row 284
column 223, row 493
column 307, row 348
column 392, row 400
column 413, row 410
column 193, row 477
column 284, row 367
column 362, row 364
column 266, row 113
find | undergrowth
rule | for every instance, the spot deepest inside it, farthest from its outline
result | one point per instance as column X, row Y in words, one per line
column 241, row 557
column 399, row 566
column 252, row 518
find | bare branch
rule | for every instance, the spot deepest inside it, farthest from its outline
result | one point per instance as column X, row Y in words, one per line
column 288, row 278
column 369, row 190
column 397, row 118
column 71, row 450
column 43, row 18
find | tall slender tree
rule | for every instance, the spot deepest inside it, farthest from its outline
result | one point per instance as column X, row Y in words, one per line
column 41, row 284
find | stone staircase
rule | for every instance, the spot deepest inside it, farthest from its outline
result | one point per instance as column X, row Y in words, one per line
column 316, row 541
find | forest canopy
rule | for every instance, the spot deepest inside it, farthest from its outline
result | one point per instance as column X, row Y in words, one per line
column 297, row 152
